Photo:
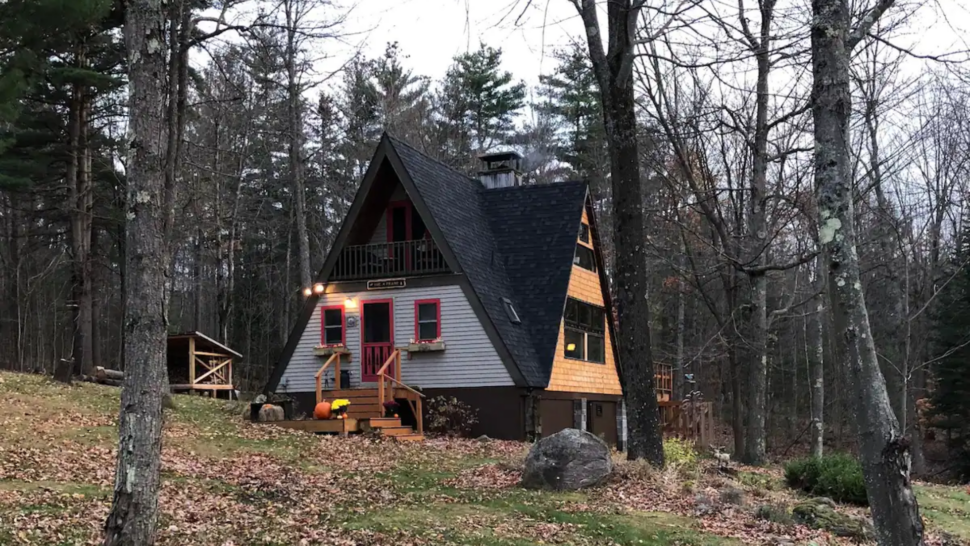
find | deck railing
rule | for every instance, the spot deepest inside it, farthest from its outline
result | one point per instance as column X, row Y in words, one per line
column 334, row 359
column 383, row 378
column 382, row 260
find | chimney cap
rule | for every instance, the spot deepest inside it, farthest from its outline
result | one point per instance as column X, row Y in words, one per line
column 499, row 156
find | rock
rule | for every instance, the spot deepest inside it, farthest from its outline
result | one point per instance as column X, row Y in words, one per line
column 732, row 495
column 568, row 460
column 704, row 505
column 261, row 399
column 270, row 413
column 773, row 513
column 819, row 514
column 483, row 438
column 826, row 501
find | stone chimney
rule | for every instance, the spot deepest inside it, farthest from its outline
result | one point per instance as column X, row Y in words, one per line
column 500, row 170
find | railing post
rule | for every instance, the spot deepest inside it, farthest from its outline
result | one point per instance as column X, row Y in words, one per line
column 420, row 417
column 397, row 365
column 336, row 373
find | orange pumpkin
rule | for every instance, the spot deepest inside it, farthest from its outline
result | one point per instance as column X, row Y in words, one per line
column 322, row 411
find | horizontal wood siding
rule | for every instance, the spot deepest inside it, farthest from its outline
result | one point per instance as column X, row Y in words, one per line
column 469, row 359
column 576, row 375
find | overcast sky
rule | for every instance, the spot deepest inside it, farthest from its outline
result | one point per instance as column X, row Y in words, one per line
column 431, row 32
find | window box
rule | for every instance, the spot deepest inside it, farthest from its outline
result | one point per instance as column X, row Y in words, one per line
column 426, row 346
column 330, row 350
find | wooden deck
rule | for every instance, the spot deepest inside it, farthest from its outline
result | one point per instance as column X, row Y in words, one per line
column 387, row 426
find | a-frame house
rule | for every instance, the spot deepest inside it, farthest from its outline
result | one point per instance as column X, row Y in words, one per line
column 486, row 290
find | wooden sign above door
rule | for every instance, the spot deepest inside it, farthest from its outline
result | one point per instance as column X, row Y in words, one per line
column 384, row 284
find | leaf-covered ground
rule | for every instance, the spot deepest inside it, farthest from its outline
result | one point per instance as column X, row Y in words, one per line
column 229, row 482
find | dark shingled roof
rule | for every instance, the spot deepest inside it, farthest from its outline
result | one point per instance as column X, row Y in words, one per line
column 516, row 243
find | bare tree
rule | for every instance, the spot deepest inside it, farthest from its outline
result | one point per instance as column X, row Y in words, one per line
column 883, row 450
column 134, row 511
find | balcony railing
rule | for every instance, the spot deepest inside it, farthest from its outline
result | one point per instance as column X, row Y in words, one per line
column 383, row 260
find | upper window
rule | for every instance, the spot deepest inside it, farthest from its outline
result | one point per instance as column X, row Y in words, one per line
column 584, row 257
column 584, row 232
column 427, row 320
column 510, row 311
column 332, row 327
column 585, row 330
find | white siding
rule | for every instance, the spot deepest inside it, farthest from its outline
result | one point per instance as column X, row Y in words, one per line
column 469, row 360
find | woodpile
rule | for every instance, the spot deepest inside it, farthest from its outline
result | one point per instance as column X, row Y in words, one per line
column 105, row 376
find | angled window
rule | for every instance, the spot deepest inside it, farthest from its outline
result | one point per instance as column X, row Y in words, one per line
column 584, row 257
column 332, row 329
column 510, row 311
column 427, row 320
column 584, row 331
column 584, row 233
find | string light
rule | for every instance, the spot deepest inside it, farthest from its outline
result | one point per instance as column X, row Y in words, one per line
column 307, row 292
column 318, row 288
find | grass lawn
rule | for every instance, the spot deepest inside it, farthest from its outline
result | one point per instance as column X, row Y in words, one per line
column 229, row 482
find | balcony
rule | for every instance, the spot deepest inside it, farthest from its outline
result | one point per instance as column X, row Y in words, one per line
column 383, row 260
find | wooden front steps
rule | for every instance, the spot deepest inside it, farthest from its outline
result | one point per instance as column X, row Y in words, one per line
column 364, row 403
column 392, row 427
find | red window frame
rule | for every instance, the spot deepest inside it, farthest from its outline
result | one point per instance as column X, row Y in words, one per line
column 323, row 325
column 417, row 326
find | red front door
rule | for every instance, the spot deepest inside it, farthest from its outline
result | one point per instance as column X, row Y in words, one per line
column 377, row 339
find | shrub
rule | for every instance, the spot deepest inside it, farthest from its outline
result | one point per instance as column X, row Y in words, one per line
column 680, row 454
column 450, row 416
column 774, row 513
column 837, row 476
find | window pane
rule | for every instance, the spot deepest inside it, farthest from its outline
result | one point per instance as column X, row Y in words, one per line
column 597, row 320
column 574, row 344
column 596, row 348
column 332, row 317
column 428, row 330
column 584, row 258
column 584, row 233
column 572, row 311
column 333, row 335
column 427, row 311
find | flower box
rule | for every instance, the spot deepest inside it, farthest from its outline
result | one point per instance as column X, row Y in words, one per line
column 328, row 351
column 426, row 346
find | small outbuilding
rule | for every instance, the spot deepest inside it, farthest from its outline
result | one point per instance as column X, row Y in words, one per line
column 197, row 362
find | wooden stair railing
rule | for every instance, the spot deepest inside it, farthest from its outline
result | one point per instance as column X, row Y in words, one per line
column 383, row 377
column 336, row 375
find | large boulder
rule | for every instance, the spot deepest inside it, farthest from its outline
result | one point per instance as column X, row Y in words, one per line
column 568, row 460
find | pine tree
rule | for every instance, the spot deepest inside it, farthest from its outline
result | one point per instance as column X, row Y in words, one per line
column 951, row 339
column 477, row 105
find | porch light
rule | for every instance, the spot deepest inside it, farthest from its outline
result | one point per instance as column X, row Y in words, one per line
column 349, row 303
column 307, row 292
column 571, row 347
column 318, row 288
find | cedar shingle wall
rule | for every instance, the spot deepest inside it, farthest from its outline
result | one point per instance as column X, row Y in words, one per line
column 576, row 375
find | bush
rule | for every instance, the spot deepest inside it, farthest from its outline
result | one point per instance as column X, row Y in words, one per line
column 837, row 476
column 450, row 416
column 680, row 454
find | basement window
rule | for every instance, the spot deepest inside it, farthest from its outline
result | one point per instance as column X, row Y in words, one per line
column 510, row 311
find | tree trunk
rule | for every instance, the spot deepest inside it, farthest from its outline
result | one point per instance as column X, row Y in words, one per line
column 816, row 372
column 614, row 76
column 756, row 251
column 883, row 450
column 295, row 119
column 134, row 512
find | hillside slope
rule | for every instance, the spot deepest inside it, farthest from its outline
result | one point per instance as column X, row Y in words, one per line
column 229, row 482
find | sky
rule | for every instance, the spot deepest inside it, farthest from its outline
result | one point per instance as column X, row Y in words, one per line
column 432, row 32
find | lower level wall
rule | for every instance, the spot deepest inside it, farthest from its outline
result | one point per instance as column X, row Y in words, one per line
column 502, row 411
